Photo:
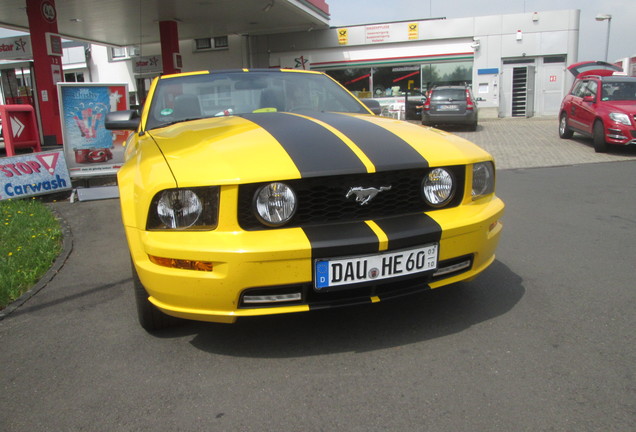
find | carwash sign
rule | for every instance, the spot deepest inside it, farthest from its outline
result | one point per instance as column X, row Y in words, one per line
column 33, row 174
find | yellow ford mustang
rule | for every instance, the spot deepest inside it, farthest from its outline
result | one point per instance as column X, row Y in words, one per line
column 261, row 192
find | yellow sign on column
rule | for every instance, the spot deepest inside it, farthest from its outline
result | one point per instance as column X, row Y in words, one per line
column 414, row 32
column 343, row 36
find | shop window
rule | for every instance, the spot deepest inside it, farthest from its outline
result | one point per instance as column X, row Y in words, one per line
column 392, row 81
column 356, row 80
column 395, row 80
column 449, row 73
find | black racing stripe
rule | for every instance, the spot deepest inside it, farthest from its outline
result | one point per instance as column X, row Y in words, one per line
column 340, row 240
column 316, row 151
column 386, row 150
column 410, row 230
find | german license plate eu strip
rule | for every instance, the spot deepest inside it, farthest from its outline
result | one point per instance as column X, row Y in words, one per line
column 368, row 268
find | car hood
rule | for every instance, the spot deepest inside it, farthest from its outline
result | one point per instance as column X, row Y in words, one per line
column 277, row 146
column 623, row 106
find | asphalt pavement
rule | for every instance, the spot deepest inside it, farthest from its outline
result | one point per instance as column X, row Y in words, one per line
column 542, row 341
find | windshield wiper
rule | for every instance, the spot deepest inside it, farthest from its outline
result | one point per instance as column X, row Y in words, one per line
column 177, row 121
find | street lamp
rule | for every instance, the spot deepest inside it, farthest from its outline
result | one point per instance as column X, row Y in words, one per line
column 608, row 18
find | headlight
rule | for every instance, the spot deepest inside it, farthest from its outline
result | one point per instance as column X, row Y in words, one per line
column 438, row 187
column 621, row 118
column 180, row 209
column 275, row 204
column 483, row 179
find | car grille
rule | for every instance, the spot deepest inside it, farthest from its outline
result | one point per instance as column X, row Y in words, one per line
column 323, row 199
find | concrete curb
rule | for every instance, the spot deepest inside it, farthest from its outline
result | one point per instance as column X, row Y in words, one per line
column 67, row 248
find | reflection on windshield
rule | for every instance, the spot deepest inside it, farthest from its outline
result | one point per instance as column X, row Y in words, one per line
column 234, row 93
column 619, row 91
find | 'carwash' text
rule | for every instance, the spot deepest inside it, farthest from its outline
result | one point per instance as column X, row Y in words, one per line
column 34, row 188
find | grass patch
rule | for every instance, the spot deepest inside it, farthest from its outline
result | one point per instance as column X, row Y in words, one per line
column 30, row 240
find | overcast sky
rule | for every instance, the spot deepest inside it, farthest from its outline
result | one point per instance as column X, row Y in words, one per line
column 592, row 35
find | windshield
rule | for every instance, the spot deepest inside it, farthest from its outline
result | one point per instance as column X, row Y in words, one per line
column 237, row 92
column 619, row 91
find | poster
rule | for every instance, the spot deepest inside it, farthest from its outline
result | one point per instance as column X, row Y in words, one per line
column 33, row 174
column 90, row 148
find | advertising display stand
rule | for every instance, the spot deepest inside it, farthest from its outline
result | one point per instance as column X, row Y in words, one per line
column 91, row 150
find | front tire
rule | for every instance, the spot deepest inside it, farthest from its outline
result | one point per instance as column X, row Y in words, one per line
column 564, row 131
column 150, row 318
column 600, row 145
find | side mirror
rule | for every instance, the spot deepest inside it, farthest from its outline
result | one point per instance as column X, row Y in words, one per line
column 122, row 120
column 589, row 98
column 373, row 105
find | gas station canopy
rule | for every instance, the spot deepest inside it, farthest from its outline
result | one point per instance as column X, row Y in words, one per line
column 131, row 22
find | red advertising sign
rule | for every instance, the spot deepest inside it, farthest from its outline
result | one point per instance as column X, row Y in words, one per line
column 19, row 128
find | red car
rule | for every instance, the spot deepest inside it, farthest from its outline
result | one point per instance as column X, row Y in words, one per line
column 600, row 105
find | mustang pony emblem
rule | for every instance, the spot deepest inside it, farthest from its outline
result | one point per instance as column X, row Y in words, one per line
column 364, row 195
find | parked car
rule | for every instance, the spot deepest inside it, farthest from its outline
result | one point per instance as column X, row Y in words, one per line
column 247, row 193
column 450, row 105
column 600, row 105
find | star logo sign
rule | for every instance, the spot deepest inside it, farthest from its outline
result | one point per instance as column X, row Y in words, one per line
column 20, row 45
column 301, row 62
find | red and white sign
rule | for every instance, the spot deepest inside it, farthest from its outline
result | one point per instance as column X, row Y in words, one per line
column 33, row 174
column 19, row 128
column 377, row 33
column 16, row 48
column 48, row 11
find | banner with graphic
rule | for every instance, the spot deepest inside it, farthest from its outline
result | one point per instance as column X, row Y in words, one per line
column 16, row 48
column 90, row 148
column 33, row 174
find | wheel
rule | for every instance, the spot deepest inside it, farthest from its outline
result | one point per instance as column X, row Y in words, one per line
column 564, row 131
column 472, row 127
column 600, row 145
column 149, row 316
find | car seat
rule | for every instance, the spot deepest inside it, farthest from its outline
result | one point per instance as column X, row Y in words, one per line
column 187, row 106
column 272, row 98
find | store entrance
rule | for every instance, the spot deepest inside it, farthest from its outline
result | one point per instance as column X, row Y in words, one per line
column 15, row 84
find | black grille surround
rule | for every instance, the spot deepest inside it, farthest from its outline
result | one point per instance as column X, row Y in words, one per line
column 322, row 200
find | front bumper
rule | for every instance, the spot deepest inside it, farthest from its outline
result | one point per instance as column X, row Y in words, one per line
column 621, row 135
column 277, row 262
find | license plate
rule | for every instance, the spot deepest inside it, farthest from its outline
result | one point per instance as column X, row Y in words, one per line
column 448, row 108
column 368, row 268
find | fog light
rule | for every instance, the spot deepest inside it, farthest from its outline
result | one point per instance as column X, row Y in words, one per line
column 205, row 266
column 276, row 298
column 452, row 268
